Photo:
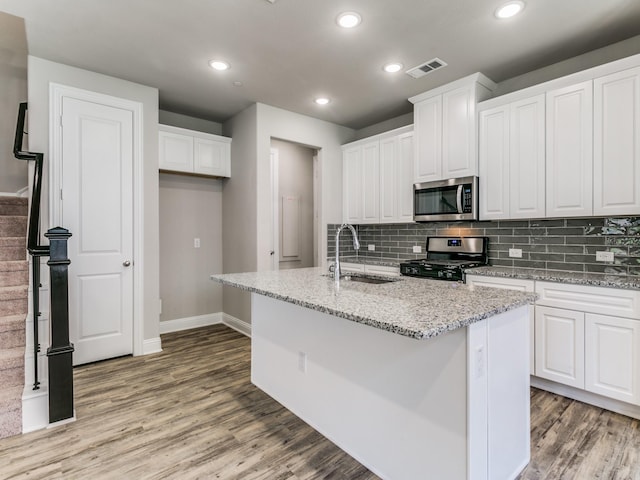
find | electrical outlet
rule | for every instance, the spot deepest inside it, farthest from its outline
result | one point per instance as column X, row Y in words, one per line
column 196, row 243
column 515, row 252
column 302, row 362
column 604, row 257
column 417, row 249
column 371, row 247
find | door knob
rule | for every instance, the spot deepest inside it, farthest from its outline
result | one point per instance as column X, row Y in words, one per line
column 126, row 263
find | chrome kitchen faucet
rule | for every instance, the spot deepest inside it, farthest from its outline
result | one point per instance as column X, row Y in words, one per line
column 356, row 246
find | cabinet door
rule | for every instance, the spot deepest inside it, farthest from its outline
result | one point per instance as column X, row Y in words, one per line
column 458, row 133
column 211, row 157
column 352, row 184
column 527, row 158
column 616, row 144
column 371, row 185
column 612, row 360
column 175, row 152
column 494, row 163
column 569, row 151
column 404, row 177
column 559, row 345
column 427, row 116
column 389, row 173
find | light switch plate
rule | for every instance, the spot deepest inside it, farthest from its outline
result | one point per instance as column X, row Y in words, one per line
column 371, row 247
column 515, row 252
column 604, row 257
column 417, row 249
column 196, row 243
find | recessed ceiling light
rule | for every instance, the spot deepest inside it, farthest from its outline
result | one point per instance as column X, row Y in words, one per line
column 349, row 19
column 509, row 9
column 219, row 65
column 322, row 100
column 392, row 67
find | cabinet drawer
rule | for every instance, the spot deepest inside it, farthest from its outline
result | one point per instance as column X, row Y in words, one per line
column 606, row 301
column 500, row 282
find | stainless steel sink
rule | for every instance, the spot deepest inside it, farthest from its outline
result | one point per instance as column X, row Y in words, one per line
column 367, row 279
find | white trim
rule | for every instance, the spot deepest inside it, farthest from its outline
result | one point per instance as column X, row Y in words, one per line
column 583, row 396
column 237, row 324
column 151, row 345
column 63, row 422
column 275, row 199
column 35, row 409
column 56, row 94
column 188, row 323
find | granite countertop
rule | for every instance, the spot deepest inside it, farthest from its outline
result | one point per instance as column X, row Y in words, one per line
column 413, row 307
column 576, row 278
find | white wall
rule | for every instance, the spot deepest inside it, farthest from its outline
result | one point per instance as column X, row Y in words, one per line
column 13, row 91
column 41, row 74
column 239, row 215
column 391, row 124
column 323, row 136
column 190, row 207
column 190, row 123
column 247, row 194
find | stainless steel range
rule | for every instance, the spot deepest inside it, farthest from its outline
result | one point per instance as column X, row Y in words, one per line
column 448, row 257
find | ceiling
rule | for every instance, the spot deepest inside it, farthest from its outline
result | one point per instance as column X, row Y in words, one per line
column 289, row 52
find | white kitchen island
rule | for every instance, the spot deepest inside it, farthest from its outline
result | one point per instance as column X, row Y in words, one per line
column 416, row 379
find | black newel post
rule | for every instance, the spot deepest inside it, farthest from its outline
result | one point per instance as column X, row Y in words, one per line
column 60, row 351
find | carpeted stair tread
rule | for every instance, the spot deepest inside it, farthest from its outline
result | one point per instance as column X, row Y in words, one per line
column 14, row 206
column 9, row 396
column 12, row 322
column 13, row 300
column 11, row 358
column 14, row 273
column 13, row 242
column 14, row 265
column 13, row 226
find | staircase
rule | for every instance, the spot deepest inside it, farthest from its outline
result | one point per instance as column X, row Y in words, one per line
column 14, row 281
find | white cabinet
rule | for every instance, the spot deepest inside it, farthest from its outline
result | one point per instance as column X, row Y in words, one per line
column 383, row 270
column 569, row 130
column 378, row 178
column 520, row 285
column 616, row 144
column 445, row 129
column 612, row 357
column 589, row 338
column 559, row 344
column 192, row 152
column 512, row 160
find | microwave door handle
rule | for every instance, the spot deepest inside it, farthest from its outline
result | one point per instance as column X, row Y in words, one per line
column 459, row 199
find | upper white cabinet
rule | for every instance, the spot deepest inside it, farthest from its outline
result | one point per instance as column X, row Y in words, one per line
column 512, row 160
column 187, row 151
column 378, row 178
column 445, row 129
column 569, row 130
column 616, row 143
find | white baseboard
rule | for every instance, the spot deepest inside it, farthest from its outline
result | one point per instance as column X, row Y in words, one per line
column 188, row 323
column 151, row 345
column 237, row 324
column 583, row 396
column 35, row 409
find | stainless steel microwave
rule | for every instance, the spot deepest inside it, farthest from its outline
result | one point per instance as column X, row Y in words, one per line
column 446, row 200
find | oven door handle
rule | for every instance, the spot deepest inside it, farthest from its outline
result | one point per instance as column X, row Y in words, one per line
column 459, row 199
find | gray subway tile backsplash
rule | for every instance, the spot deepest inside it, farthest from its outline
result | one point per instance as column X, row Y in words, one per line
column 554, row 244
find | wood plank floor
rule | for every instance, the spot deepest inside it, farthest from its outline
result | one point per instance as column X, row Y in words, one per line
column 191, row 412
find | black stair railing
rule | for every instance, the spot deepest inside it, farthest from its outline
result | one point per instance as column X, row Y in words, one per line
column 60, row 354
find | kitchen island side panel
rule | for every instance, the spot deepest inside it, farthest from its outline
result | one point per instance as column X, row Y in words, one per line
column 396, row 404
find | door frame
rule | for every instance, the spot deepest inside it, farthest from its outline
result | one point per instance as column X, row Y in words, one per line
column 275, row 208
column 56, row 94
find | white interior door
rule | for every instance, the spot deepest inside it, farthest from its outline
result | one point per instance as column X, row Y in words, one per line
column 97, row 207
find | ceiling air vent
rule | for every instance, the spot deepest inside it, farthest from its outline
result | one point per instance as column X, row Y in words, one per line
column 427, row 67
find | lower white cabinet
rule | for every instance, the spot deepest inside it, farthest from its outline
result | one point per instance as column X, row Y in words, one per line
column 559, row 345
column 187, row 151
column 612, row 357
column 372, row 269
column 585, row 337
